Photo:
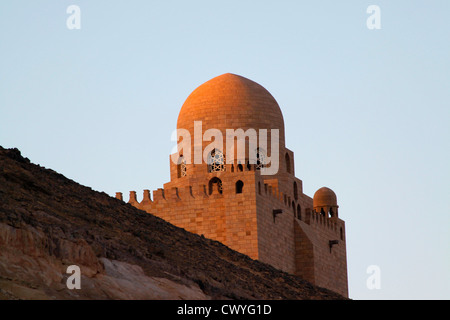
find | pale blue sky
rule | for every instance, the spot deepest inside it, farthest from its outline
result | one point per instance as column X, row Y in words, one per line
column 366, row 111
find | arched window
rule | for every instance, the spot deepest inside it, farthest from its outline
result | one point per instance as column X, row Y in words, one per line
column 215, row 184
column 239, row 186
column 216, row 161
column 240, row 168
column 295, row 191
column 181, row 167
column 299, row 212
column 293, row 207
column 342, row 234
column 259, row 187
column 288, row 163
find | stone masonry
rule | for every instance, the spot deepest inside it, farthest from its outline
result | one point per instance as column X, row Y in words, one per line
column 267, row 217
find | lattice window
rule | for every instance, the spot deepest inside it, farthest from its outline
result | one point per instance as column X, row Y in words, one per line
column 182, row 171
column 260, row 159
column 183, row 168
column 216, row 161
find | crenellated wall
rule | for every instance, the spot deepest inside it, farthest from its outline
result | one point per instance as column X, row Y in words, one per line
column 261, row 222
column 227, row 217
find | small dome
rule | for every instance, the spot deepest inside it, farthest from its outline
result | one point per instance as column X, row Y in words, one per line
column 324, row 197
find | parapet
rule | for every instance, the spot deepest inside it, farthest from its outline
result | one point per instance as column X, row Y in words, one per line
column 173, row 194
column 265, row 188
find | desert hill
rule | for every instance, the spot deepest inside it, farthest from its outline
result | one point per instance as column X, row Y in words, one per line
column 48, row 222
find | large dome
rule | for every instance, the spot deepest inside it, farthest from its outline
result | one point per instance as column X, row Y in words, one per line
column 230, row 101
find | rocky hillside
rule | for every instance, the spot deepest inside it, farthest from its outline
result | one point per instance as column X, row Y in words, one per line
column 48, row 222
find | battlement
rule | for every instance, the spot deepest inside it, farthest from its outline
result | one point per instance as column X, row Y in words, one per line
column 268, row 189
column 173, row 194
column 187, row 193
column 317, row 219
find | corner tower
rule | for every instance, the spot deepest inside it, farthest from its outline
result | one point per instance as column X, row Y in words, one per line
column 228, row 195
